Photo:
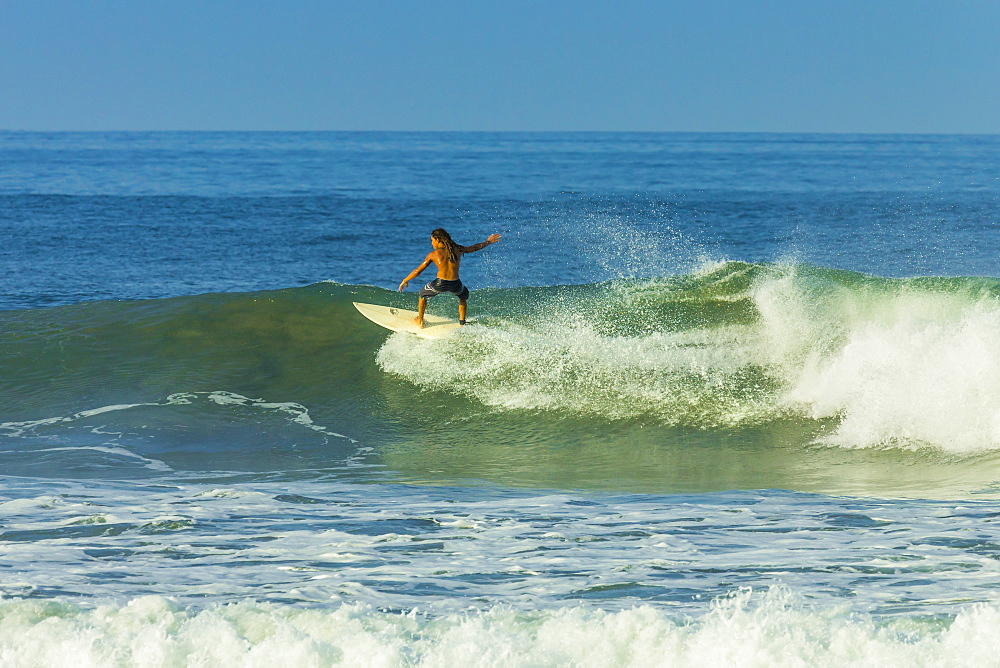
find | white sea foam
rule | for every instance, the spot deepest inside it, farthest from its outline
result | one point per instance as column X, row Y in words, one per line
column 905, row 368
column 402, row 547
column 295, row 413
column 116, row 452
column 773, row 628
column 686, row 377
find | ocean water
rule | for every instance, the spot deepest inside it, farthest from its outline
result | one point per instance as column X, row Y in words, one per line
column 727, row 400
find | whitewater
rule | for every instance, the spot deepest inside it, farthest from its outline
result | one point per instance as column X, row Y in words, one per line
column 726, row 400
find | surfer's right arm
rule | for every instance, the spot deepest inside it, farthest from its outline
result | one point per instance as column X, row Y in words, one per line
column 416, row 272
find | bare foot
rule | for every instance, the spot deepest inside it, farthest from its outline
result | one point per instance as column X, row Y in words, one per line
column 419, row 322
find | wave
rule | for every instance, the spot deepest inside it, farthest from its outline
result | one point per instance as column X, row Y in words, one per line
column 746, row 628
column 870, row 361
column 817, row 355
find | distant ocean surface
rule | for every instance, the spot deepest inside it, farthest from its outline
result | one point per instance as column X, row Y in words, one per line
column 728, row 399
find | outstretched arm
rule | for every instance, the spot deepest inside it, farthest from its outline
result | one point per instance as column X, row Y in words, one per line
column 416, row 272
column 492, row 239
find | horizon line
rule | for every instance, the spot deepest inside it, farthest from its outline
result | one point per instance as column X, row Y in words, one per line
column 509, row 132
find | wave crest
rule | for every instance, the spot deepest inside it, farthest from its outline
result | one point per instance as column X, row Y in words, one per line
column 872, row 362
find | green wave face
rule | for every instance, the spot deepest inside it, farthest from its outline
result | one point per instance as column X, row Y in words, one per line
column 738, row 346
column 738, row 375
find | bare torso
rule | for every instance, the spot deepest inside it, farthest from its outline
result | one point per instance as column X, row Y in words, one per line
column 447, row 269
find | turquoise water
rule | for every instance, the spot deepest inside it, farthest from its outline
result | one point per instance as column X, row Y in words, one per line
column 728, row 399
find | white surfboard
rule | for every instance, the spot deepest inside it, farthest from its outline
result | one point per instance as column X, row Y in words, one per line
column 401, row 320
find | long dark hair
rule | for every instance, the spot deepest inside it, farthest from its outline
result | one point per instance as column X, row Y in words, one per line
column 450, row 247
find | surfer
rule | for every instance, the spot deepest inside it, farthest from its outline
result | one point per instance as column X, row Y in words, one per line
column 446, row 256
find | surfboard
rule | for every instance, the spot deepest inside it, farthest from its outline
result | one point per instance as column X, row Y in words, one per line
column 401, row 320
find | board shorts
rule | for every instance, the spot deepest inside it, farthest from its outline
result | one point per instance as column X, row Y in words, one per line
column 439, row 285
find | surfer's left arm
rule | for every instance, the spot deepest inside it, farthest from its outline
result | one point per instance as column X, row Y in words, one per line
column 416, row 272
column 492, row 239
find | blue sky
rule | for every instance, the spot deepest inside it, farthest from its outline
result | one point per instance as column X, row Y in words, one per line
column 705, row 65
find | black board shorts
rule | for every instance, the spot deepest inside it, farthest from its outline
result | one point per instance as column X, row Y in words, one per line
column 439, row 285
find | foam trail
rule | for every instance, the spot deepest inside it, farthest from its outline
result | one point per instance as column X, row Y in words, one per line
column 297, row 413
